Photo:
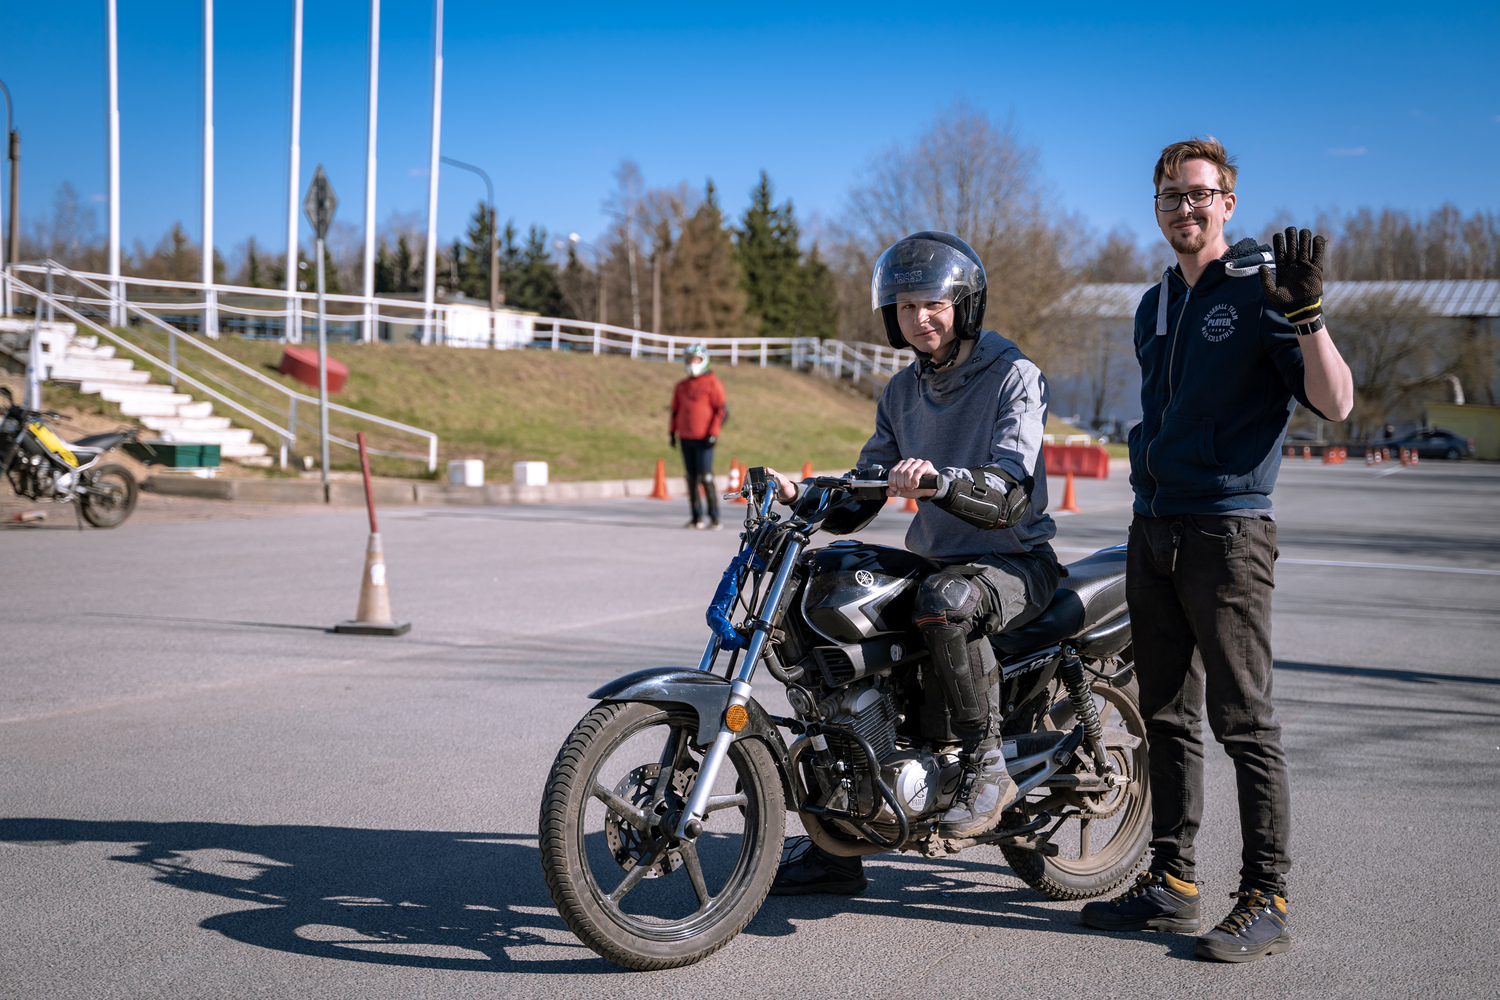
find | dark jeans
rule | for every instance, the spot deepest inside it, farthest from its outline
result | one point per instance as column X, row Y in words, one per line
column 1204, row 581
column 698, row 460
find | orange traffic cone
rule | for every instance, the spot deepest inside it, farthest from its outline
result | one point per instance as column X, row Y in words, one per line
column 1069, row 502
column 1306, row 453
column 1369, row 456
column 736, row 480
column 659, row 488
column 911, row 506
column 373, row 616
column 1414, row 456
column 807, row 470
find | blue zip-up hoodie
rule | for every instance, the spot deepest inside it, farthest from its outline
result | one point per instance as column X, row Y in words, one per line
column 1219, row 372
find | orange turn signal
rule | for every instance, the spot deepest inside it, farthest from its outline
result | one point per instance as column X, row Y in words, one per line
column 736, row 718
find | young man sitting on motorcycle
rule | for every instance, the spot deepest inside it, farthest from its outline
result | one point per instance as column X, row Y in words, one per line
column 971, row 410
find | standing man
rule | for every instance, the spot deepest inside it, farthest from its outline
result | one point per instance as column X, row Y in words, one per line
column 698, row 414
column 1226, row 342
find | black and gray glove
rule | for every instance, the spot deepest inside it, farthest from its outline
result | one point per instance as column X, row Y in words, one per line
column 672, row 439
column 1296, row 291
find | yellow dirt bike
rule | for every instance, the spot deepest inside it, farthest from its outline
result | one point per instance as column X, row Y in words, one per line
column 42, row 466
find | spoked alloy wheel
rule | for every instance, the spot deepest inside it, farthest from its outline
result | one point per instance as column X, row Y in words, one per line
column 1101, row 837
column 630, row 890
column 107, row 496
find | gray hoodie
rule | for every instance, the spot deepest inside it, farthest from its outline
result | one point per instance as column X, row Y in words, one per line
column 988, row 412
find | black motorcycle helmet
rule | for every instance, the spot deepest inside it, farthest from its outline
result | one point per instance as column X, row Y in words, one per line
column 938, row 266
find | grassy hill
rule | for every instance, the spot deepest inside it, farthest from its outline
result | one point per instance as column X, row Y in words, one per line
column 587, row 417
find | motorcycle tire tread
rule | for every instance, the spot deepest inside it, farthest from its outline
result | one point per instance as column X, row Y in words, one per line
column 1039, row 872
column 557, row 817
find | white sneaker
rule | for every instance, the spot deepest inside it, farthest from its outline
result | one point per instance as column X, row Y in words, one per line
column 977, row 810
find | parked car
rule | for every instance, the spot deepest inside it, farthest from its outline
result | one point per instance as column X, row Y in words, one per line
column 1432, row 442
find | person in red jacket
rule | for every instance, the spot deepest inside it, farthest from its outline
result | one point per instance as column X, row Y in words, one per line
column 698, row 413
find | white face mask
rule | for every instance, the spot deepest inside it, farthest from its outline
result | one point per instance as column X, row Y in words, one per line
column 696, row 364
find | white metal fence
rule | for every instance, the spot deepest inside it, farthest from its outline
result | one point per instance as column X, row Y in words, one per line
column 275, row 314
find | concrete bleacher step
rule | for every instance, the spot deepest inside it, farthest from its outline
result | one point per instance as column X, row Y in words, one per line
column 182, row 425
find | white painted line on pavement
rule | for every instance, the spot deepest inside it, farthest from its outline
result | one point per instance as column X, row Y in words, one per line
column 1408, row 566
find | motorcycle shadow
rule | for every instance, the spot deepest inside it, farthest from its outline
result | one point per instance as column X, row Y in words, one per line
column 414, row 898
column 970, row 890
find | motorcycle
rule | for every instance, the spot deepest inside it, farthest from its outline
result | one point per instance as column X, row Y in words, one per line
column 663, row 816
column 42, row 466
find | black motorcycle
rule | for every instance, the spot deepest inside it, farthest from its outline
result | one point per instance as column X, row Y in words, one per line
column 663, row 816
column 42, row 466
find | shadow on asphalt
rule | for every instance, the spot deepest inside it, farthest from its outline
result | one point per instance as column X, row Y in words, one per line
column 475, row 901
column 1409, row 676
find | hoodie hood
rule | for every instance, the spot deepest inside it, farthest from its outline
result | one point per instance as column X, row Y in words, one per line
column 1243, row 260
column 943, row 385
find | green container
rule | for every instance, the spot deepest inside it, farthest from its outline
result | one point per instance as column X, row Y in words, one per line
column 174, row 454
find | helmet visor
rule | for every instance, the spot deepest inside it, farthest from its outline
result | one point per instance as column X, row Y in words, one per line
column 923, row 271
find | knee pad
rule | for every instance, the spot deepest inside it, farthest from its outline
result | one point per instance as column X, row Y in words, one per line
column 947, row 599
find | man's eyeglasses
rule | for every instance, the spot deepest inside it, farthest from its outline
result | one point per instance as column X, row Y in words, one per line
column 1170, row 201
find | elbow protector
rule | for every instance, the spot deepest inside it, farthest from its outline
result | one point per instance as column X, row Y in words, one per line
column 984, row 505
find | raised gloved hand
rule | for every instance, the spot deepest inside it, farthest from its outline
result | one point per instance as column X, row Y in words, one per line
column 672, row 439
column 1296, row 291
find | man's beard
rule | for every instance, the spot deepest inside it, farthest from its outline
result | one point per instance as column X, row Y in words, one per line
column 1190, row 243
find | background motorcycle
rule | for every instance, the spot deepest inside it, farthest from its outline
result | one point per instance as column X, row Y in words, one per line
column 662, row 821
column 42, row 466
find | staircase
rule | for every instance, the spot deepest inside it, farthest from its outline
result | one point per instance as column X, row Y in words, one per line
column 175, row 416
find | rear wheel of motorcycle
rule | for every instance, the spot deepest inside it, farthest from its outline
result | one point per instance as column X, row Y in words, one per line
column 1097, row 854
column 694, row 896
column 108, row 496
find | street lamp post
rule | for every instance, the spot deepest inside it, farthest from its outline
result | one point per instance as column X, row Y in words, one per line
column 489, row 193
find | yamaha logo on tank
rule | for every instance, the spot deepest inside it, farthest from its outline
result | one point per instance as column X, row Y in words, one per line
column 1219, row 323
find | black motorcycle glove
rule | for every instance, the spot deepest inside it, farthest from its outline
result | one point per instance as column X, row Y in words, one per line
column 672, row 439
column 710, row 440
column 1296, row 290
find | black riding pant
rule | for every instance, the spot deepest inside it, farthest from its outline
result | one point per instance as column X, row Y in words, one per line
column 698, row 460
column 959, row 607
column 1202, row 582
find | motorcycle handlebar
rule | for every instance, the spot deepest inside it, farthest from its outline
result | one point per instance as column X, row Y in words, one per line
column 927, row 482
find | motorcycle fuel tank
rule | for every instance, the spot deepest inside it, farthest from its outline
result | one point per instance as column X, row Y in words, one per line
column 856, row 590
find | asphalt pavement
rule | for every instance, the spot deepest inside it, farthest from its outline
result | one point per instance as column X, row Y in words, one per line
column 206, row 793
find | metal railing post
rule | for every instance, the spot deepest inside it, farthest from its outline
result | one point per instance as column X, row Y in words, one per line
column 51, row 315
column 763, row 346
column 597, row 333
column 555, row 332
column 734, row 353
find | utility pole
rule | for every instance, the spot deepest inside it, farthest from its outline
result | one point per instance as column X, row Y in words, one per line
column 13, row 153
column 294, row 170
column 429, row 273
column 117, row 290
column 370, row 331
column 319, row 206
column 210, row 297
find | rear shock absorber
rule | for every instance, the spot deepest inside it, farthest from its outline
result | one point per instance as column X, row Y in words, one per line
column 1084, row 709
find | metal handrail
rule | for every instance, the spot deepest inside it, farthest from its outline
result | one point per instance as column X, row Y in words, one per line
column 172, row 332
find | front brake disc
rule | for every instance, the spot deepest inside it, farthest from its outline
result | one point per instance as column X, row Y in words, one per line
column 630, row 846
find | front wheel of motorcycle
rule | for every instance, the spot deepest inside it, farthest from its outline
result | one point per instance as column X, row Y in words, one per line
column 108, row 495
column 1101, row 838
column 630, row 890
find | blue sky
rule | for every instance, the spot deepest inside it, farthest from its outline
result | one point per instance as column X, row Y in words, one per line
column 1325, row 107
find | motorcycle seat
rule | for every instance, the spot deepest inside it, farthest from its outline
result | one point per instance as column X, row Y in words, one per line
column 104, row 442
column 1093, row 590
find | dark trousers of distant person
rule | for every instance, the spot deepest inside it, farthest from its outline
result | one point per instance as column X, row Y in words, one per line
column 1204, row 581
column 698, row 460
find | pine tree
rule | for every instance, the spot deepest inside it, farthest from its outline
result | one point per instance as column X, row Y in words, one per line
column 708, row 296
column 791, row 297
column 474, row 255
column 527, row 275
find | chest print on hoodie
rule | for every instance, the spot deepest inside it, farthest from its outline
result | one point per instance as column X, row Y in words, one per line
column 1219, row 323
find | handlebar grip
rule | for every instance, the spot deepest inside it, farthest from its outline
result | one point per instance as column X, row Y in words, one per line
column 927, row 482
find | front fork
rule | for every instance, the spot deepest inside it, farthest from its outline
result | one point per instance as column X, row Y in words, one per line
column 690, row 824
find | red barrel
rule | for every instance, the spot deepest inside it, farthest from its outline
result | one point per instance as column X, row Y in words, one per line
column 301, row 363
